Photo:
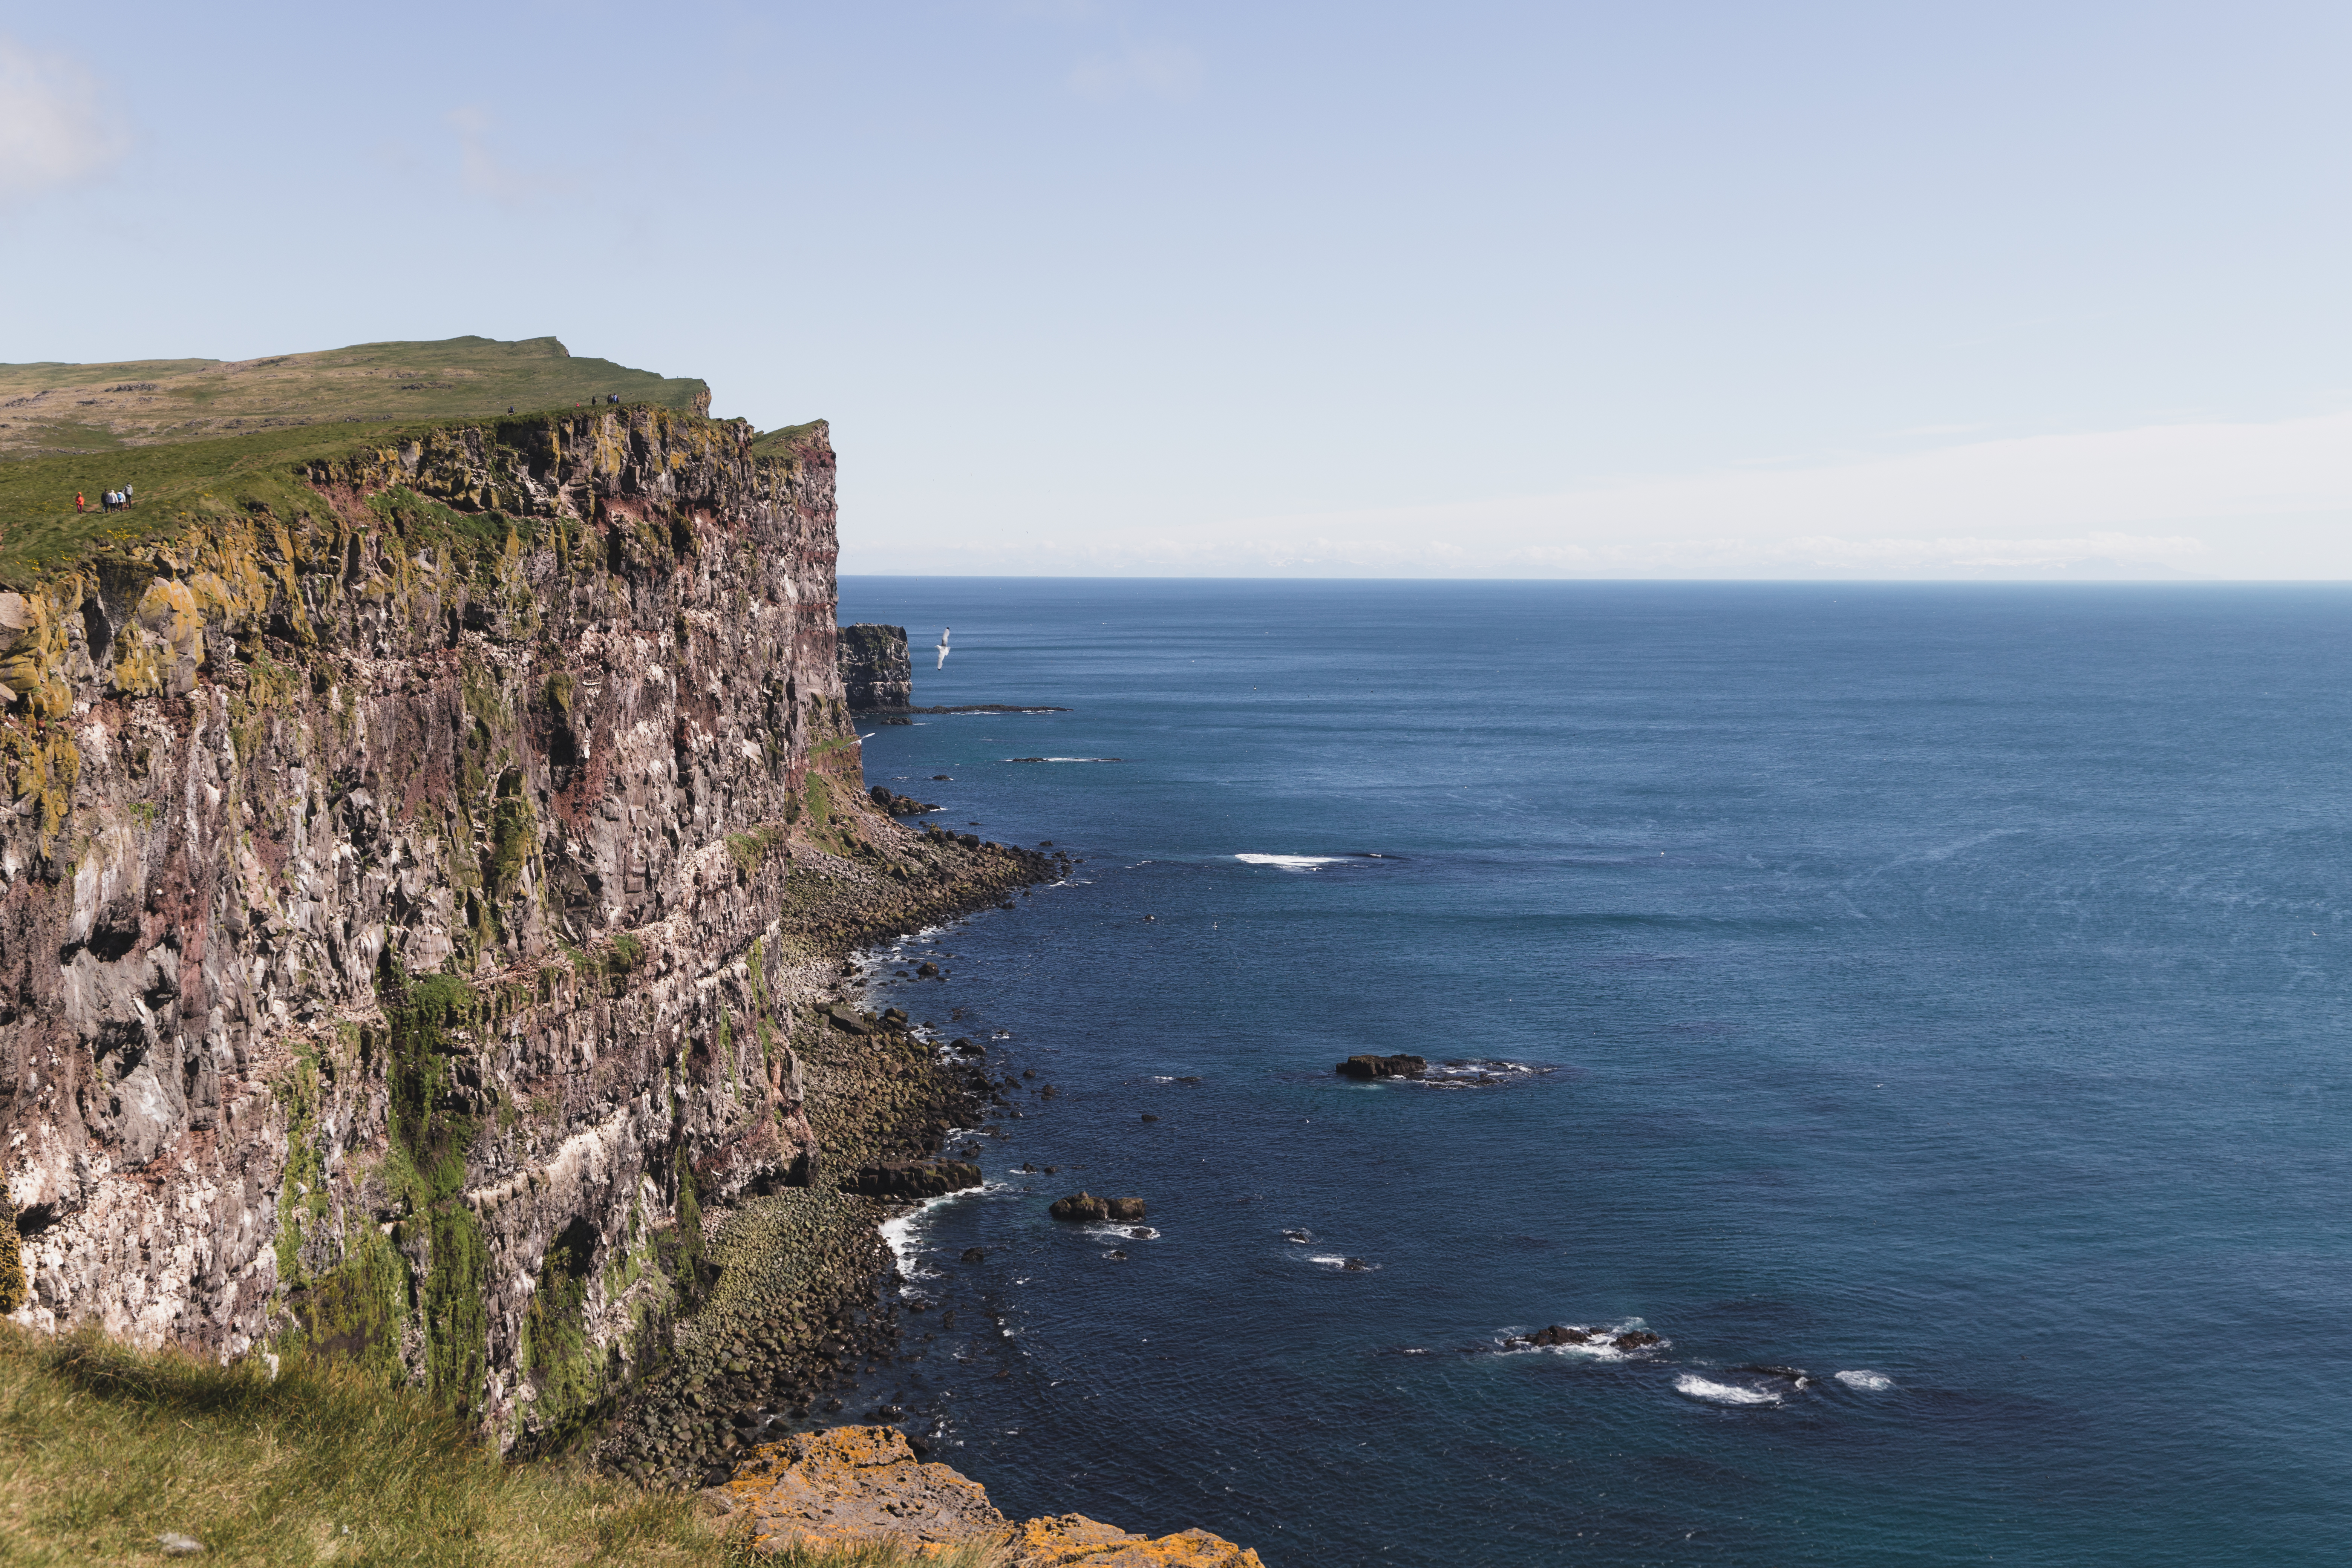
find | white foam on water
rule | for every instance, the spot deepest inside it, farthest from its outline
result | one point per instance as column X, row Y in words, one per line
column 1291, row 862
column 1870, row 1382
column 899, row 1236
column 1698, row 1388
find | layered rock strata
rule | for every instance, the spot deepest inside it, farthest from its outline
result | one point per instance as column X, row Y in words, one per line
column 420, row 902
column 859, row 1485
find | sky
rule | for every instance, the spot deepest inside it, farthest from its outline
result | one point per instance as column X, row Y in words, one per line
column 1134, row 287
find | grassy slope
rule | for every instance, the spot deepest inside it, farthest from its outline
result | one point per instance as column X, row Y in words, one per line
column 104, row 1450
column 104, row 408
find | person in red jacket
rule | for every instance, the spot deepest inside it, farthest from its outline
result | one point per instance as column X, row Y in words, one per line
column 79, row 504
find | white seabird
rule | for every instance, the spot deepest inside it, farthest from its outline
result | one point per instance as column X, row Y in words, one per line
column 943, row 646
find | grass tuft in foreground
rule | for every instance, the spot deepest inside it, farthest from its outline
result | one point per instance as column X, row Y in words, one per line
column 104, row 1450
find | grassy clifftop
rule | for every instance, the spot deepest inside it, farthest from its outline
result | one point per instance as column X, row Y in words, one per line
column 185, row 484
column 55, row 408
column 107, row 1449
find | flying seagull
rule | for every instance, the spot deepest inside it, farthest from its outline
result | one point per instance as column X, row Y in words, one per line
column 943, row 646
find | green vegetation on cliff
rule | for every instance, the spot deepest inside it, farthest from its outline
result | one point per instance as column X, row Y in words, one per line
column 106, row 1449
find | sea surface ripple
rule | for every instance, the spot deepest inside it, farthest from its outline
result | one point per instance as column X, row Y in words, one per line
column 1924, row 1007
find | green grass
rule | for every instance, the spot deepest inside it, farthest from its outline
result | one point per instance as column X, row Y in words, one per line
column 40, row 531
column 52, row 407
column 103, row 1449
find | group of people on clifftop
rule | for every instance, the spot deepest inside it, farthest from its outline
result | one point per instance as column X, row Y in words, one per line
column 112, row 500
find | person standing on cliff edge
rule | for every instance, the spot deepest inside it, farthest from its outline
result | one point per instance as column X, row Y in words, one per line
column 79, row 504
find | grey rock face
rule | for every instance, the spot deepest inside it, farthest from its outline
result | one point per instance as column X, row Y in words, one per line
column 409, row 905
column 874, row 672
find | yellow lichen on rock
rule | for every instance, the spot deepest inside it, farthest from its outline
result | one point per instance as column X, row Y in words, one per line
column 1073, row 1541
column 864, row 1484
column 852, row 1484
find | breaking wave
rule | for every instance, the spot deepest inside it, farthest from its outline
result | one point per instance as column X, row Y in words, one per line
column 1698, row 1388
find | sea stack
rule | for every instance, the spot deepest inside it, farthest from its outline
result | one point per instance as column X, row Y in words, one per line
column 874, row 672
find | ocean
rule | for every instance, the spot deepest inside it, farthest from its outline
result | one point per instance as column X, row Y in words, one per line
column 1938, row 993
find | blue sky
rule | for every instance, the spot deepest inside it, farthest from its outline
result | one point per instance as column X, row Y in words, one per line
column 1711, row 290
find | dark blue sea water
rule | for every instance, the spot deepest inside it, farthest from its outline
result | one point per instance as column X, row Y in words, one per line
column 1941, row 986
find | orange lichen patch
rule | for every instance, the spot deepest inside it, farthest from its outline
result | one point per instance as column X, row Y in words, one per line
column 856, row 1485
column 1073, row 1541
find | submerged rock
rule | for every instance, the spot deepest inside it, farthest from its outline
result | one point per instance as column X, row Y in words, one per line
column 1368, row 1068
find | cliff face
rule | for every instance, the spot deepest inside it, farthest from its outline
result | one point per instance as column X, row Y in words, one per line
column 415, row 902
column 874, row 673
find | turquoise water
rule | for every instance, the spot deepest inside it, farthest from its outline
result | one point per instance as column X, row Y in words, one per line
column 1942, row 986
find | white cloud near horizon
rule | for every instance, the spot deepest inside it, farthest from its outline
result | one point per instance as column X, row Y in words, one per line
column 54, row 129
column 2212, row 499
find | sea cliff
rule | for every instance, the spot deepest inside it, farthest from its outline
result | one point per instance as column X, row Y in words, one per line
column 421, row 903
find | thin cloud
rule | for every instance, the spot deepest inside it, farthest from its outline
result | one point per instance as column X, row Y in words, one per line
column 2212, row 499
column 55, row 129
column 1169, row 72
column 486, row 174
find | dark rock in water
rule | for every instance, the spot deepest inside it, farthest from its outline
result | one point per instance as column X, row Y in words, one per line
column 1083, row 1206
column 1050, row 1170
column 1148, row 1117
column 1142, row 1233
column 1048, row 1092
column 1116, row 1256
column 975, row 1255
column 1125, row 1208
column 1795, row 1376
column 1562, row 1335
column 896, row 804
column 1195, row 1078
column 1368, row 1068
column 1354, row 1266
column 1300, row 1236
column 963, row 1047
column 914, row 1179
column 927, row 970
column 941, row 778
column 1640, row 1339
